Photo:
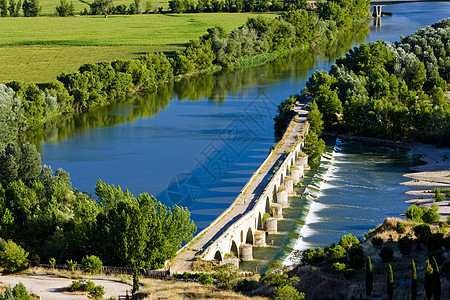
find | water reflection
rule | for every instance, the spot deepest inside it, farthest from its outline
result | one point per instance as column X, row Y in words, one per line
column 214, row 87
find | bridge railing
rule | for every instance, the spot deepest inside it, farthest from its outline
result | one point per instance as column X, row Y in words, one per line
column 266, row 192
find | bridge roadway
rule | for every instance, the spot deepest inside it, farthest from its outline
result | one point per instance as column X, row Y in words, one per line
column 245, row 200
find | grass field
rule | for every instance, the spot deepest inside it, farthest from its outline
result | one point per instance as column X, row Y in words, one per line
column 48, row 7
column 38, row 49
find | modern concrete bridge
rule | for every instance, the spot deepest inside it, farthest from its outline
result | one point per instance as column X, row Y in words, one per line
column 238, row 229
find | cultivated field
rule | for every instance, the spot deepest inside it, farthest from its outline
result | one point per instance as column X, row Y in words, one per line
column 38, row 49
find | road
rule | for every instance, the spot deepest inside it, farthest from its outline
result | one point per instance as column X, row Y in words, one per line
column 51, row 288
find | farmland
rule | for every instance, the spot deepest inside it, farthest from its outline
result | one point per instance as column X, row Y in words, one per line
column 38, row 49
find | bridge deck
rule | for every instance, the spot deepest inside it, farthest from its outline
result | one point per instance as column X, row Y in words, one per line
column 244, row 203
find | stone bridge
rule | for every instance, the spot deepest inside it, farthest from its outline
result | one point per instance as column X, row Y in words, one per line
column 251, row 229
column 255, row 211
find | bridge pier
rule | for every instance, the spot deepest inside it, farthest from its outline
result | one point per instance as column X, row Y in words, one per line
column 377, row 11
column 260, row 238
column 303, row 160
column 289, row 185
column 297, row 173
column 282, row 197
column 246, row 251
column 277, row 210
column 271, row 225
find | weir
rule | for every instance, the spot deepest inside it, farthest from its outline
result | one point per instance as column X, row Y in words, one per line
column 256, row 210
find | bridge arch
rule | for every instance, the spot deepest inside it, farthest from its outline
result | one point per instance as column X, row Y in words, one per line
column 267, row 204
column 242, row 236
column 249, row 238
column 287, row 170
column 234, row 249
column 281, row 178
column 218, row 256
column 260, row 225
column 275, row 190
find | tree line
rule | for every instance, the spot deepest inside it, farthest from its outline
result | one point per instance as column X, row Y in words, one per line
column 41, row 211
column 109, row 82
column 391, row 91
column 30, row 8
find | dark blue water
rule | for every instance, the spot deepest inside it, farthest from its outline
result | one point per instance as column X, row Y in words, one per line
column 197, row 142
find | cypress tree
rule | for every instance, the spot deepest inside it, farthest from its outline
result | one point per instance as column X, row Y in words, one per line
column 390, row 282
column 369, row 277
column 428, row 280
column 135, row 281
column 436, row 280
column 413, row 281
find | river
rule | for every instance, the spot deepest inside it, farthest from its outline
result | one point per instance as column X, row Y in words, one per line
column 195, row 143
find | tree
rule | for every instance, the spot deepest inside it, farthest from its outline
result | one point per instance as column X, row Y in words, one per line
column 31, row 8
column 65, row 8
column 20, row 292
column 3, row 8
column 92, row 264
column 315, row 118
column 100, row 7
column 14, row 8
column 313, row 146
column 13, row 257
column 390, row 282
column 337, row 268
column 72, row 265
column 11, row 114
column 348, row 240
column 436, row 280
column 288, row 292
column 413, row 280
column 52, row 262
column 428, row 280
column 369, row 277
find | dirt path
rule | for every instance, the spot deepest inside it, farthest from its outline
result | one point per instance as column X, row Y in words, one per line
column 183, row 261
column 48, row 287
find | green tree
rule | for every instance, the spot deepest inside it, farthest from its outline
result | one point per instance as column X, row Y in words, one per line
column 72, row 265
column 436, row 280
column 390, row 282
column 313, row 146
column 348, row 241
column 52, row 262
column 31, row 8
column 20, row 292
column 3, row 8
column 14, row 8
column 13, row 257
column 65, row 8
column 100, row 7
column 337, row 268
column 428, row 280
column 288, row 292
column 369, row 277
column 92, row 264
column 413, row 280
column 315, row 118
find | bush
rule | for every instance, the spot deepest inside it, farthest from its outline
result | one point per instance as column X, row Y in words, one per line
column 348, row 240
column 355, row 250
column 311, row 256
column 13, row 257
column 414, row 213
column 75, row 286
column 335, row 254
column 435, row 241
column 438, row 256
column 92, row 264
column 386, row 253
column 350, row 273
column 422, row 231
column 356, row 262
column 430, row 215
column 377, row 241
column 205, row 279
column 337, row 268
column 288, row 292
column 246, row 286
column 97, row 292
column 20, row 292
column 405, row 245
column 401, row 228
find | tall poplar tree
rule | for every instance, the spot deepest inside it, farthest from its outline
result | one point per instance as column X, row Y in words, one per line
column 369, row 277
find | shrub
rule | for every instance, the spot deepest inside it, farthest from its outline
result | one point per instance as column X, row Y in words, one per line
column 20, row 292
column 288, row 292
column 35, row 260
column 205, row 279
column 13, row 257
column 414, row 213
column 97, row 292
column 422, row 231
column 335, row 254
column 75, row 286
column 438, row 256
column 356, row 262
column 405, row 245
column 311, row 255
column 246, row 286
column 430, row 215
column 377, row 241
column 401, row 228
column 435, row 241
column 337, row 268
column 348, row 240
column 355, row 250
column 350, row 273
column 92, row 264
column 386, row 253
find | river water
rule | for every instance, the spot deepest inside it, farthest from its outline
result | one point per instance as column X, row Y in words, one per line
column 195, row 143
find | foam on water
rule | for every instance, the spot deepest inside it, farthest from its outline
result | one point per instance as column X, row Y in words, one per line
column 312, row 192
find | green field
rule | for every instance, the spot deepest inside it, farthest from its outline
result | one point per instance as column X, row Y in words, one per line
column 48, row 7
column 38, row 49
